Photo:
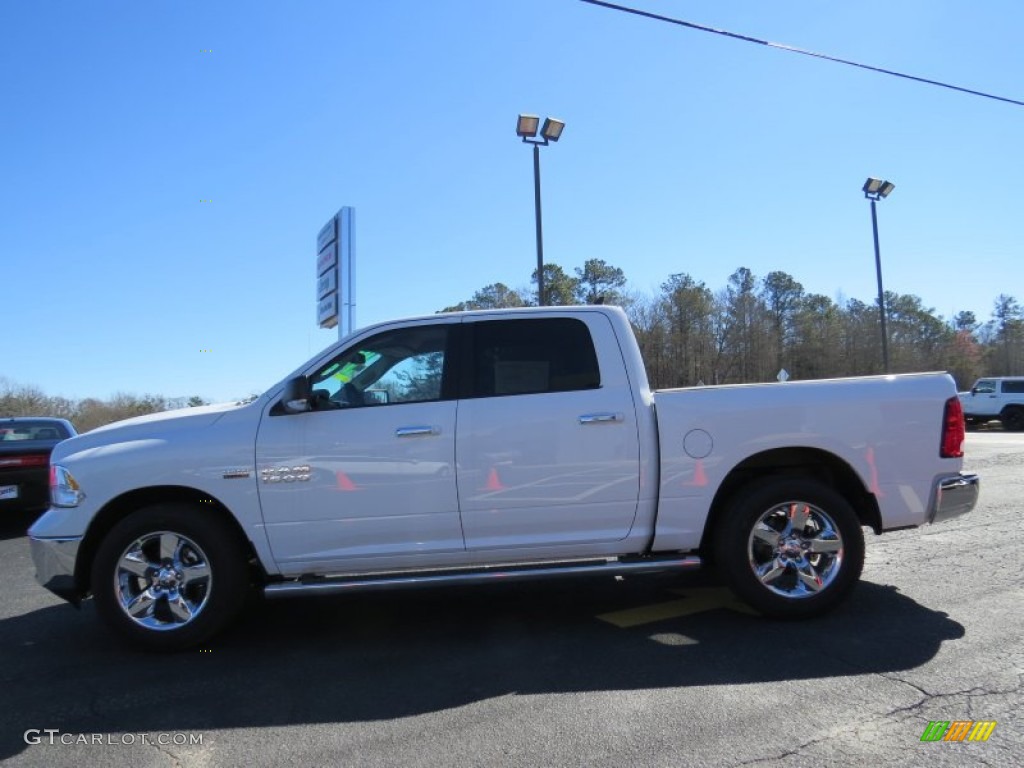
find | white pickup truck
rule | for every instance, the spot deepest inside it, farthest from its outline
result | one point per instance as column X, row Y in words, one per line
column 508, row 444
column 999, row 398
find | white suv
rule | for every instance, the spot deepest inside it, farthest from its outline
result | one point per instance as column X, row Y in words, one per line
column 996, row 398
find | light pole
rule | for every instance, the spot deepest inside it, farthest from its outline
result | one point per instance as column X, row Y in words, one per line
column 875, row 190
column 526, row 127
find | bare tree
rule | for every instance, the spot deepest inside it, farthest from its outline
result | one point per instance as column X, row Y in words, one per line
column 781, row 295
column 1007, row 353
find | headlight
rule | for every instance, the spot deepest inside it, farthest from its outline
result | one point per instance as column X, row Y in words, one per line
column 64, row 489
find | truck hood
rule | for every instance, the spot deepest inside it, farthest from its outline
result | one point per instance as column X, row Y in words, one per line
column 153, row 425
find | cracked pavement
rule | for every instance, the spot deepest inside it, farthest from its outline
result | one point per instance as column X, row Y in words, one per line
column 530, row 676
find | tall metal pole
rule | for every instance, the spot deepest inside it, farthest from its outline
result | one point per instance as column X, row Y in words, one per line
column 881, row 294
column 540, row 227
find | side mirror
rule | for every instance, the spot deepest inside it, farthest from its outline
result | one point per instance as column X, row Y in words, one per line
column 296, row 395
column 974, row 390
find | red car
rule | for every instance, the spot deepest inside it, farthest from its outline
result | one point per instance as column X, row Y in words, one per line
column 25, row 446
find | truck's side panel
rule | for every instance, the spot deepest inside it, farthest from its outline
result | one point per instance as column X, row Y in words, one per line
column 376, row 495
column 197, row 449
column 886, row 430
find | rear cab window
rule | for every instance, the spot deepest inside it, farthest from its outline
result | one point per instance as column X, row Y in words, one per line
column 531, row 356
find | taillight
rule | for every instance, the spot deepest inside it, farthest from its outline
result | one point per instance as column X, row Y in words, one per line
column 952, row 430
column 25, row 461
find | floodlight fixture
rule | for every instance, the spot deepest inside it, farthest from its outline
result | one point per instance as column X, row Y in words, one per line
column 552, row 129
column 877, row 189
column 527, row 125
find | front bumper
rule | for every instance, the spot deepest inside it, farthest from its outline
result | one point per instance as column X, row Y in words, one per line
column 954, row 495
column 55, row 566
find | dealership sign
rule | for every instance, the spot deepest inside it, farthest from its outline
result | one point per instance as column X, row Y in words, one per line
column 335, row 273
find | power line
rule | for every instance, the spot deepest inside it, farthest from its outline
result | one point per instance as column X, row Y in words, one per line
column 790, row 48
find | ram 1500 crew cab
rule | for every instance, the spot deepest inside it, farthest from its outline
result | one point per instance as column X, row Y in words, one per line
column 507, row 444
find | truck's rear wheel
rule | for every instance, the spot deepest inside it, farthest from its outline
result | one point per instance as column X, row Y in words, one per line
column 169, row 576
column 1013, row 419
column 791, row 547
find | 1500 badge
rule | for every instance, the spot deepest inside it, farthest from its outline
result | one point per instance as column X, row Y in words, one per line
column 285, row 474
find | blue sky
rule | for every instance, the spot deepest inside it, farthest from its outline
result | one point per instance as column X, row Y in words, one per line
column 683, row 152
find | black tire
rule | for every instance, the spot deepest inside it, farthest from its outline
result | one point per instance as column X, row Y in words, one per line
column 1013, row 419
column 796, row 582
column 157, row 557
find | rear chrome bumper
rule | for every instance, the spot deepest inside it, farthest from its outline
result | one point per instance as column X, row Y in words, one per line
column 55, row 566
column 955, row 495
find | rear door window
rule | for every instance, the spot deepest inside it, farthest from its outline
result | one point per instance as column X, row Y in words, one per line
column 532, row 356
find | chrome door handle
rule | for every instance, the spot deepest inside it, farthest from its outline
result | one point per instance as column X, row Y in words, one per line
column 599, row 418
column 416, row 431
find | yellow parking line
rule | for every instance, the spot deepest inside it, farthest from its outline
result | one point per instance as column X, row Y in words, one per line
column 696, row 600
column 647, row 614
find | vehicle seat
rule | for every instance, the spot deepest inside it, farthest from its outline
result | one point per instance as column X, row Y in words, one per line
column 351, row 396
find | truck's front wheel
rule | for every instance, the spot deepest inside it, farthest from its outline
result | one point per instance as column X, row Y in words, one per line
column 791, row 547
column 169, row 576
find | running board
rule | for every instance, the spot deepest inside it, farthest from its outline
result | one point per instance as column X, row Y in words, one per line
column 482, row 575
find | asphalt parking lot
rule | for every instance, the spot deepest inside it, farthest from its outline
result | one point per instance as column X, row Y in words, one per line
column 646, row 672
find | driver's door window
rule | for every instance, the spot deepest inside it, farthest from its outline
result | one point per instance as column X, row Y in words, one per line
column 401, row 366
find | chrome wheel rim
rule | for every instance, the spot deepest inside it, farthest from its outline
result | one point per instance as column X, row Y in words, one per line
column 795, row 550
column 162, row 581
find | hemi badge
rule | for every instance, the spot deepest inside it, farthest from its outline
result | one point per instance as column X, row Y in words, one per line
column 235, row 473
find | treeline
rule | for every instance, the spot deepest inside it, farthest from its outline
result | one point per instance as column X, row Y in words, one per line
column 87, row 413
column 754, row 326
